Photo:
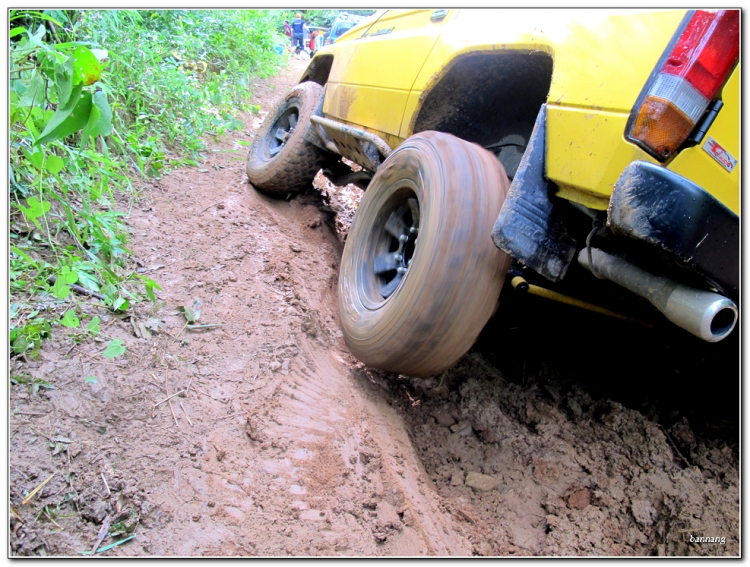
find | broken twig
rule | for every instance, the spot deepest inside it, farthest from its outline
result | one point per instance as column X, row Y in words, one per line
column 37, row 489
column 186, row 414
column 109, row 492
column 169, row 398
column 78, row 289
column 204, row 210
column 173, row 415
column 102, row 534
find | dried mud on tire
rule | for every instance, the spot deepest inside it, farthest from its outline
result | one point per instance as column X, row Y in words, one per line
column 283, row 445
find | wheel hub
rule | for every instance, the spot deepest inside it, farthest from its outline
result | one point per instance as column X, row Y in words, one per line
column 400, row 234
column 281, row 132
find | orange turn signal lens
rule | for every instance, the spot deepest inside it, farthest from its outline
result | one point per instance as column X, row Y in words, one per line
column 661, row 126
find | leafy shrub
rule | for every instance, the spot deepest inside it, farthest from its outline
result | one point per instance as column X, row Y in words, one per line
column 97, row 97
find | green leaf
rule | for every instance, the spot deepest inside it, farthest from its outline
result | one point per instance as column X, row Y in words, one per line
column 54, row 164
column 114, row 349
column 34, row 94
column 100, row 119
column 64, row 81
column 31, row 13
column 25, row 256
column 254, row 108
column 36, row 159
column 91, row 380
column 61, row 288
column 20, row 344
column 192, row 314
column 16, row 31
column 35, row 209
column 70, row 320
column 150, row 285
column 93, row 326
column 86, row 67
column 69, row 118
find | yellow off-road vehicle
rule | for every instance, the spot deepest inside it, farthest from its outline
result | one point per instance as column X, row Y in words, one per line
column 562, row 145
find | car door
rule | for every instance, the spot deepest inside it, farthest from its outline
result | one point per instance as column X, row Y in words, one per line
column 375, row 66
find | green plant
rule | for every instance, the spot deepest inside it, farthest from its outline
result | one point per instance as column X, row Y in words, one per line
column 95, row 98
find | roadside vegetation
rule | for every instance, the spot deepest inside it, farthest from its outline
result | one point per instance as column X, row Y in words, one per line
column 101, row 102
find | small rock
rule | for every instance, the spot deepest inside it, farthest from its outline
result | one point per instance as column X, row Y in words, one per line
column 481, row 482
column 579, row 499
column 295, row 248
column 462, row 428
column 489, row 436
column 643, row 512
column 197, row 518
column 220, row 206
column 443, row 418
column 387, row 516
column 617, row 493
column 96, row 512
column 408, row 518
column 457, row 479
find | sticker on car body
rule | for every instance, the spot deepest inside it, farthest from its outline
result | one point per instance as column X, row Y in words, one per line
column 715, row 150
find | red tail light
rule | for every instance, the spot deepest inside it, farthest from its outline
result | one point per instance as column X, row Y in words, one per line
column 689, row 78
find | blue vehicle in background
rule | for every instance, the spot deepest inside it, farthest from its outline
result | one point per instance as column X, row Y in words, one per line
column 342, row 24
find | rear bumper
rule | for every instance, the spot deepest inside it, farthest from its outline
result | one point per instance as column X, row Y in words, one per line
column 689, row 225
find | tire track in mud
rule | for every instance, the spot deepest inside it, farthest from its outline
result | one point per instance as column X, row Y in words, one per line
column 342, row 447
column 353, row 451
column 310, row 460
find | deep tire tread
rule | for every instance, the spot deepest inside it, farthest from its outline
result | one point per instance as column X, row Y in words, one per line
column 295, row 166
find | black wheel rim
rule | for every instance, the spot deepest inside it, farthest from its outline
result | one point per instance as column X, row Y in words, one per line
column 280, row 132
column 395, row 238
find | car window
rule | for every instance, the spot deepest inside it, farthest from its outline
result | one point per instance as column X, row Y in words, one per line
column 341, row 28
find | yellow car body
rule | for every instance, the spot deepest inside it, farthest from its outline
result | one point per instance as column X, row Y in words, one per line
column 618, row 130
column 383, row 69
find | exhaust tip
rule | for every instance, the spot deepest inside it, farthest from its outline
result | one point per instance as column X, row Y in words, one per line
column 723, row 318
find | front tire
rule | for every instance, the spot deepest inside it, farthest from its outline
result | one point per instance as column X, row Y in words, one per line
column 282, row 160
column 420, row 276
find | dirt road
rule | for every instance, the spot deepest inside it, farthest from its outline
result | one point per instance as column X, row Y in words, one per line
column 279, row 443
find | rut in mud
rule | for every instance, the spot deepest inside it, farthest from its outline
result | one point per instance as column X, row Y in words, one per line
column 282, row 444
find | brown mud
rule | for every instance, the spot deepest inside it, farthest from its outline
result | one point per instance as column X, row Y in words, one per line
column 282, row 444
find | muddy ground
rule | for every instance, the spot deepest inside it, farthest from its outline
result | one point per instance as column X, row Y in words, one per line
column 557, row 434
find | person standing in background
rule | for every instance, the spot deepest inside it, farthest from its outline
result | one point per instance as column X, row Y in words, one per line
column 298, row 31
column 311, row 43
column 317, row 42
column 287, row 29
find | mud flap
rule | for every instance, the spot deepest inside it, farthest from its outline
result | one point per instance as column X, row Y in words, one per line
column 530, row 227
column 686, row 223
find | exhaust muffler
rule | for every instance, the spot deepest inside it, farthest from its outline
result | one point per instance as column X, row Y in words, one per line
column 706, row 315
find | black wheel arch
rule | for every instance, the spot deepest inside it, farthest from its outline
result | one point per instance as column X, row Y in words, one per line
column 318, row 70
column 489, row 98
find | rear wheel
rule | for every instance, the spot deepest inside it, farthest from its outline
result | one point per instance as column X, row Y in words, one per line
column 420, row 276
column 282, row 159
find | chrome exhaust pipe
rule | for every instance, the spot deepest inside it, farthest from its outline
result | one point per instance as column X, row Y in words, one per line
column 706, row 315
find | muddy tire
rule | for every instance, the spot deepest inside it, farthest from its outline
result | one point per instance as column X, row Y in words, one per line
column 420, row 276
column 282, row 160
